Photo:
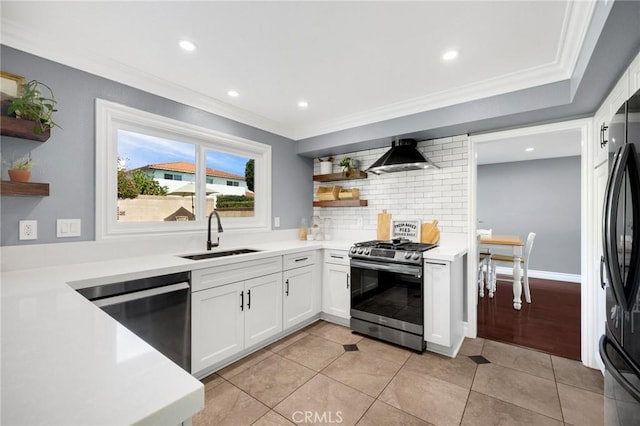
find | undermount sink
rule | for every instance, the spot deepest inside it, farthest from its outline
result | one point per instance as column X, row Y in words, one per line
column 214, row 254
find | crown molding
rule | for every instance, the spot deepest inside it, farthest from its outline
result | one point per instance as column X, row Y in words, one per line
column 532, row 77
column 13, row 35
column 574, row 30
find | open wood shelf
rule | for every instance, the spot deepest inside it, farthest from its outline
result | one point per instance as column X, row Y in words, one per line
column 18, row 128
column 33, row 189
column 332, row 177
column 340, row 203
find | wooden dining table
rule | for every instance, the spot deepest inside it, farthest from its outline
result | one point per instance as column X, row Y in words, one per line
column 515, row 244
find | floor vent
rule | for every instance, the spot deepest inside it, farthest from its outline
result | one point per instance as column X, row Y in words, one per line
column 479, row 359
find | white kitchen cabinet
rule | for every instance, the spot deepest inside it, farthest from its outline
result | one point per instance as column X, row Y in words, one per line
column 233, row 307
column 217, row 325
column 263, row 308
column 600, row 181
column 301, row 288
column 443, row 322
column 228, row 318
column 336, row 284
column 603, row 116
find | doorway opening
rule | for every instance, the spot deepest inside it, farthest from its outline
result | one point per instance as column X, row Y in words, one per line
column 533, row 180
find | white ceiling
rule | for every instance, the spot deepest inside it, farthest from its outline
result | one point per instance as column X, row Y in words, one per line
column 354, row 62
column 565, row 143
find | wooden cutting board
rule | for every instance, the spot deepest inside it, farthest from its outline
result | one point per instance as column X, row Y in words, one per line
column 384, row 225
column 429, row 232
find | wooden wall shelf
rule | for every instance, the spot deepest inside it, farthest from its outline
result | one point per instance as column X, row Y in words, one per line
column 18, row 128
column 332, row 177
column 340, row 203
column 33, row 189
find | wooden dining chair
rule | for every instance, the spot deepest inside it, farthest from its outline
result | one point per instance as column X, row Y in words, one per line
column 484, row 264
column 524, row 261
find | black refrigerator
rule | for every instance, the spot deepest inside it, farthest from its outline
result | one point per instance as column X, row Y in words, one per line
column 620, row 345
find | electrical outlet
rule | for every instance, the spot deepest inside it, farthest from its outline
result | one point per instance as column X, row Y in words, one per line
column 276, row 222
column 28, row 230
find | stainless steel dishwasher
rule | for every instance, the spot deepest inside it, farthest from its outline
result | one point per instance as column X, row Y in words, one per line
column 156, row 309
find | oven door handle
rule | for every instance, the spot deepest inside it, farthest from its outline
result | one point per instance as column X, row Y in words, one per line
column 129, row 297
column 416, row 271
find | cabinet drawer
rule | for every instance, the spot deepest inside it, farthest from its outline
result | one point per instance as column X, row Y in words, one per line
column 202, row 279
column 336, row 257
column 297, row 260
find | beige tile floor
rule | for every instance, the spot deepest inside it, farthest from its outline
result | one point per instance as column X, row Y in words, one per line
column 309, row 378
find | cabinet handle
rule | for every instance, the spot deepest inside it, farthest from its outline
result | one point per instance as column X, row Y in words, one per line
column 348, row 279
column 603, row 141
column 301, row 259
column 248, row 299
column 333, row 256
column 287, row 289
column 242, row 300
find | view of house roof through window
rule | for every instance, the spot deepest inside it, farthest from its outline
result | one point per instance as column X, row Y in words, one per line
column 158, row 180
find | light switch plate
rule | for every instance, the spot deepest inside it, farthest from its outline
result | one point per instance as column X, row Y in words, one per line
column 68, row 228
column 28, row 230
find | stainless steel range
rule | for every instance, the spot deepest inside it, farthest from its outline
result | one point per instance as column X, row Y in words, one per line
column 387, row 291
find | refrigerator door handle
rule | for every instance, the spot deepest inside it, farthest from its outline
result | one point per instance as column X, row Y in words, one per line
column 624, row 287
column 611, row 368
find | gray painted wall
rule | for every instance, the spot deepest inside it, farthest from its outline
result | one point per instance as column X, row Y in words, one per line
column 66, row 160
column 541, row 196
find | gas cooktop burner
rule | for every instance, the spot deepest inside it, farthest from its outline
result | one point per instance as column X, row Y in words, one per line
column 397, row 244
column 398, row 250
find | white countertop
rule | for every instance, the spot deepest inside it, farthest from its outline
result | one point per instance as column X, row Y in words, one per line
column 64, row 361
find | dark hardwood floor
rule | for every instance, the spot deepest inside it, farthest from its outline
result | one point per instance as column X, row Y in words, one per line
column 551, row 323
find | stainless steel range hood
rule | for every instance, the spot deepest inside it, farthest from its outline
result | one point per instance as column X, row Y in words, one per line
column 402, row 156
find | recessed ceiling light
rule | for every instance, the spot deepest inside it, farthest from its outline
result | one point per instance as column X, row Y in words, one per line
column 529, row 149
column 303, row 104
column 233, row 93
column 187, row 45
column 450, row 55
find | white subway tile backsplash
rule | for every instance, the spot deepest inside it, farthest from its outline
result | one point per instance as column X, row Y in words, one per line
column 430, row 194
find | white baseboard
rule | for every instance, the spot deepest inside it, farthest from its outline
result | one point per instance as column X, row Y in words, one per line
column 546, row 275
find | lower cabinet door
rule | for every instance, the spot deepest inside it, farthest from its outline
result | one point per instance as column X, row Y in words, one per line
column 336, row 293
column 437, row 311
column 217, row 326
column 299, row 293
column 263, row 308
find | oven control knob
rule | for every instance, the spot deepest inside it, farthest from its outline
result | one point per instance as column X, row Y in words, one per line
column 360, row 250
column 367, row 251
column 353, row 249
column 416, row 256
column 407, row 255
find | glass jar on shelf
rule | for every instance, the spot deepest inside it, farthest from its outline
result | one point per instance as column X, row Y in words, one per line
column 316, row 232
column 304, row 229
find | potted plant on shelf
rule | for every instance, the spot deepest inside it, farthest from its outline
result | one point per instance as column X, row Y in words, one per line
column 32, row 105
column 348, row 166
column 20, row 169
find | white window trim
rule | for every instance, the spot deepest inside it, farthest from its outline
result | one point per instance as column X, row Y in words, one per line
column 111, row 116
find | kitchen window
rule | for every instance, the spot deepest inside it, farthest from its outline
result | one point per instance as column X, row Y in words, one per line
column 156, row 175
